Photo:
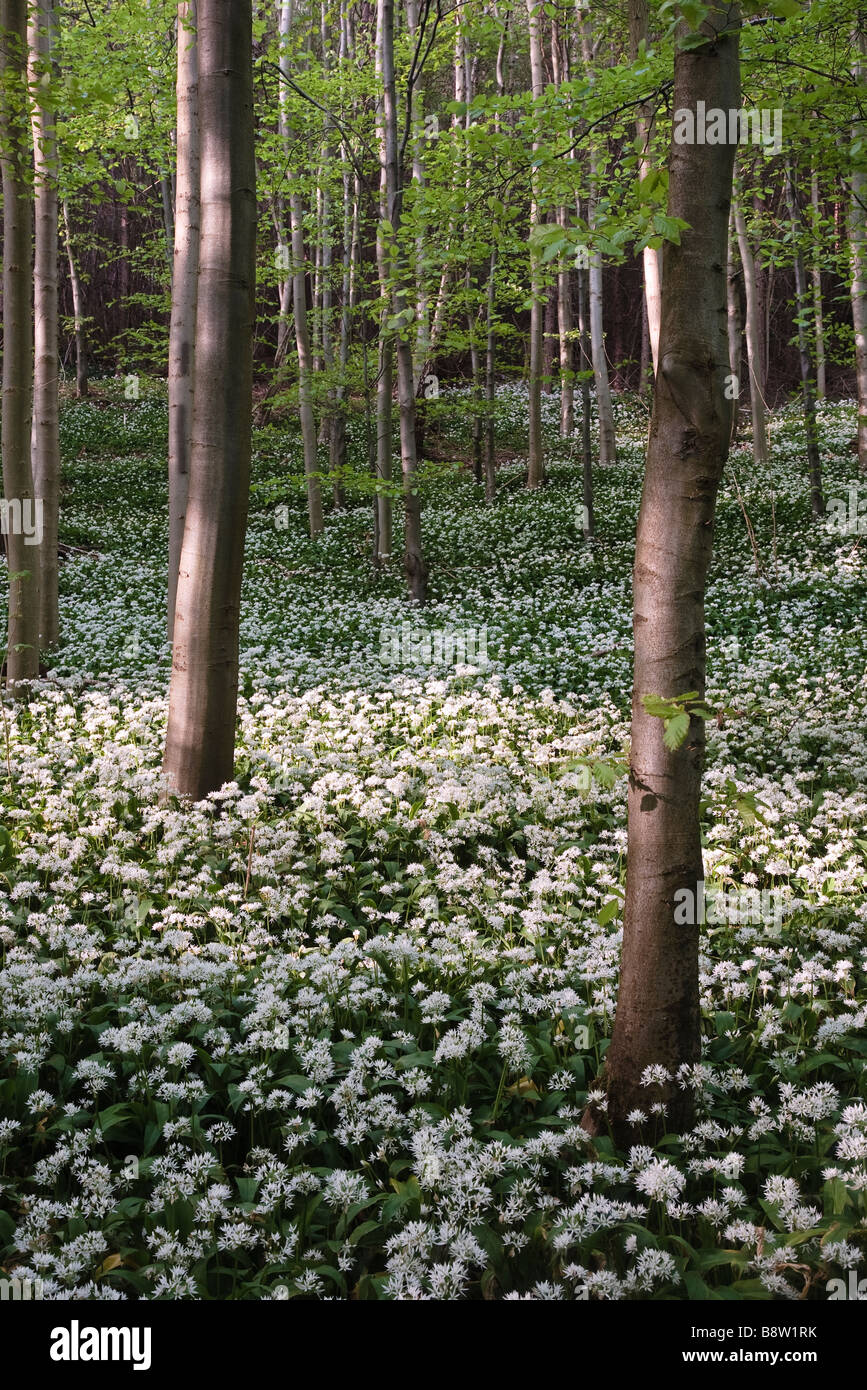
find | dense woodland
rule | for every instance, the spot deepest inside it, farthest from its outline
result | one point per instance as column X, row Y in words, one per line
column 434, row 775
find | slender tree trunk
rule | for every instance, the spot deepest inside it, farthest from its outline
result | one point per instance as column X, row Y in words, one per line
column 168, row 216
column 81, row 386
column 588, row 522
column 385, row 375
column 753, row 336
column 651, row 258
column 399, row 294
column 305, row 368
column 45, row 441
column 182, row 329
column 203, row 695
column 299, row 300
column 490, row 384
column 607, row 440
column 858, row 255
column 802, row 305
column 658, row 1018
column 733, row 321
column 22, row 649
column 536, row 455
column 816, row 277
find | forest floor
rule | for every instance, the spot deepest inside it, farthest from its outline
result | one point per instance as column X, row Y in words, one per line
column 331, row 1032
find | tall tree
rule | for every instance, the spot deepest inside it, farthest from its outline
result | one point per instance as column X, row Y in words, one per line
column 858, row 245
column 182, row 329
column 803, row 306
column 81, row 383
column 651, row 258
column 536, row 457
column 22, row 656
column 299, row 296
column 753, row 335
column 605, row 410
column 658, row 1018
column 398, row 285
column 45, row 435
column 200, row 738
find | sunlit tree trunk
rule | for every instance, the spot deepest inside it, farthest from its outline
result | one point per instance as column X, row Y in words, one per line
column 605, row 410
column 561, row 69
column 536, row 456
column 808, row 389
column 45, row 441
column 752, row 324
column 299, row 300
column 858, row 253
column 399, row 296
column 658, row 1019
column 587, row 520
column 182, row 328
column 651, row 257
column 81, row 386
column 203, row 695
column 733, row 320
column 22, row 653
column 816, row 278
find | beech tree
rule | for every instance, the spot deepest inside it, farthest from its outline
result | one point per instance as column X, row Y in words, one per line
column 22, row 647
column 185, row 281
column 45, row 438
column 200, row 737
column 658, row 1022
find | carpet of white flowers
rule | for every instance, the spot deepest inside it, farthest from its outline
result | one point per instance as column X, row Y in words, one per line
column 330, row 1033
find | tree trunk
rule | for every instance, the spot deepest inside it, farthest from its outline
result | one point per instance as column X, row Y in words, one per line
column 651, row 258
column 490, row 385
column 81, row 387
column 733, row 321
column 399, row 296
column 182, row 329
column 587, row 518
column 753, row 335
column 536, row 455
column 858, row 254
column 44, row 439
column 298, row 272
column 802, row 304
column 607, row 440
column 658, row 1018
column 22, row 555
column 816, row 277
column 203, row 695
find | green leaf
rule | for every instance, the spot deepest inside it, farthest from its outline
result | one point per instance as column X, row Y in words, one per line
column 675, row 731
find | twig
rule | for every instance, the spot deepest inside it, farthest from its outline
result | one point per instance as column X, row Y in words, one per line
column 750, row 532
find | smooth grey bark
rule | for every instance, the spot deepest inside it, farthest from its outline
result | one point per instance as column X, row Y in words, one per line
column 651, row 257
column 802, row 309
column 81, row 386
column 816, row 278
column 22, row 647
column 182, row 327
column 203, row 694
column 733, row 323
column 44, row 438
column 858, row 254
column 604, row 408
column 658, row 1017
column 535, row 449
column 490, row 455
column 561, row 70
column 752, row 326
column 398, row 290
column 588, row 522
